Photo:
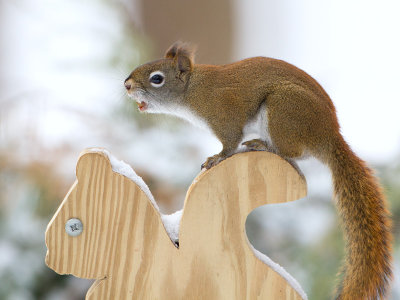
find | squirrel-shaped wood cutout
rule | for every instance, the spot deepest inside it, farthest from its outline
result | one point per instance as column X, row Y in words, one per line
column 125, row 246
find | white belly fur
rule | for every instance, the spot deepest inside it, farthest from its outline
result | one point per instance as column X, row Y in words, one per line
column 184, row 114
column 257, row 128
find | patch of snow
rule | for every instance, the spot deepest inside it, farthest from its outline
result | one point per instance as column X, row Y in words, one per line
column 280, row 270
column 171, row 224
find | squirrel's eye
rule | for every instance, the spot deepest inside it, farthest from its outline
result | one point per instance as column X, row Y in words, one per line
column 157, row 79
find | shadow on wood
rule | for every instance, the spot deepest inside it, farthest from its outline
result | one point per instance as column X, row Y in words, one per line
column 125, row 246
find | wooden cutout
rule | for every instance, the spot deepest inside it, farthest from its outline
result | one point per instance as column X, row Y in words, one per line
column 125, row 246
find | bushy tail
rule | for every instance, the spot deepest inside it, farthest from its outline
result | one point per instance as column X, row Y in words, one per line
column 366, row 222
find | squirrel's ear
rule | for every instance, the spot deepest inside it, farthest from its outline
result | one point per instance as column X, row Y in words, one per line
column 185, row 58
column 183, row 54
column 171, row 52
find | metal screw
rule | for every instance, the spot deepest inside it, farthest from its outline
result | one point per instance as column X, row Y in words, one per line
column 74, row 227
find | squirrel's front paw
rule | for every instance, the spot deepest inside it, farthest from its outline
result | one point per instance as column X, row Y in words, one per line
column 212, row 161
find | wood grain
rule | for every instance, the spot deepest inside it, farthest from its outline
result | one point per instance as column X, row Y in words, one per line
column 125, row 247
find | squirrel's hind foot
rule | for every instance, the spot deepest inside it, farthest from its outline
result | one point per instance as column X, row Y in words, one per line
column 256, row 145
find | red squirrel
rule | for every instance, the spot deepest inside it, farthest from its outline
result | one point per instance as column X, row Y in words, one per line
column 292, row 116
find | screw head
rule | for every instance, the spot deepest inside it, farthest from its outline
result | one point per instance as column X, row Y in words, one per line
column 73, row 227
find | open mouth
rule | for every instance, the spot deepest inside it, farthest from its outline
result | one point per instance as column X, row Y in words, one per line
column 138, row 95
column 142, row 105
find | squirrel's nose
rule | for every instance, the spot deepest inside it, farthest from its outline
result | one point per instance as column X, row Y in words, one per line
column 128, row 84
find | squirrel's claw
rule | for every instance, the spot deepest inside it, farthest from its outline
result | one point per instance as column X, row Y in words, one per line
column 212, row 161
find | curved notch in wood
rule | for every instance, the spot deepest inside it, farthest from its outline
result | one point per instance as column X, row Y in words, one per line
column 125, row 246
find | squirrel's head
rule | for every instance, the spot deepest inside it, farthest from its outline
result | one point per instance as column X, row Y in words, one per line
column 158, row 86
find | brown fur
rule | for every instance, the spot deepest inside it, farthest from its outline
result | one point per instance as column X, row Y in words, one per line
column 301, row 121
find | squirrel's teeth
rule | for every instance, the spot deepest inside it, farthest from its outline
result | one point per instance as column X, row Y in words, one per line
column 142, row 105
